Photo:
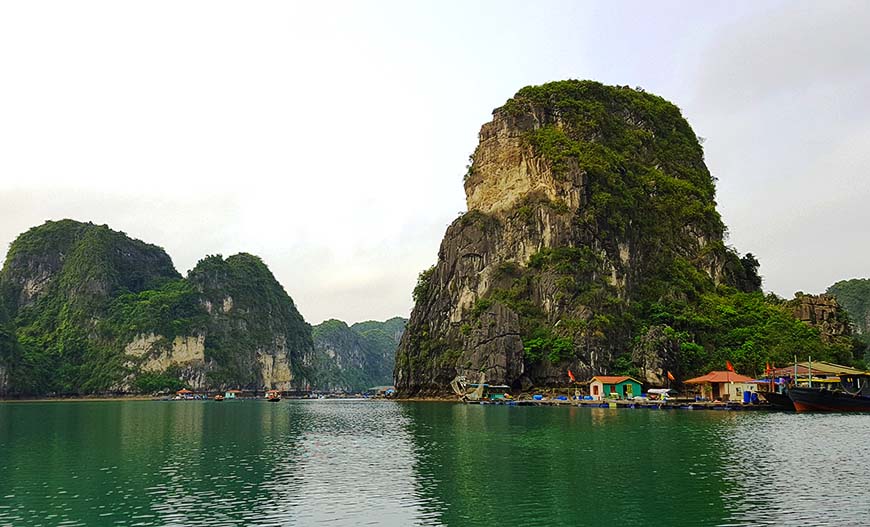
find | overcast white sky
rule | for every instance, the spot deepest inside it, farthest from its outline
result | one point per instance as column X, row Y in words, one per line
column 330, row 138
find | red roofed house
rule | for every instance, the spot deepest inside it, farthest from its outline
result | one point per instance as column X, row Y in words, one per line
column 724, row 385
column 613, row 387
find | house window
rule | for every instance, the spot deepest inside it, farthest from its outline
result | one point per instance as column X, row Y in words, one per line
column 612, row 388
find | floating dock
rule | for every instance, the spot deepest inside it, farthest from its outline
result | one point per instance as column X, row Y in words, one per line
column 635, row 404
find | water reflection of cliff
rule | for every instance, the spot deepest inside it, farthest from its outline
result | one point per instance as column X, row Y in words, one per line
column 299, row 463
column 516, row 465
column 208, row 463
column 354, row 467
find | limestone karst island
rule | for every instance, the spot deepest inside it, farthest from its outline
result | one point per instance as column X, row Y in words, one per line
column 587, row 297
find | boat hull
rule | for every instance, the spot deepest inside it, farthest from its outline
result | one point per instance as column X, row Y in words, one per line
column 780, row 401
column 818, row 400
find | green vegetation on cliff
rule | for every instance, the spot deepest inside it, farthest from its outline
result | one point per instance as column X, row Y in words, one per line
column 854, row 296
column 748, row 329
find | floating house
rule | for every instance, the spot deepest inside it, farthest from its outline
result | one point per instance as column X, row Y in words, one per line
column 381, row 391
column 724, row 385
column 183, row 393
column 614, row 387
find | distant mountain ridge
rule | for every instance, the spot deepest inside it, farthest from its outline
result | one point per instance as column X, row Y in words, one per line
column 356, row 357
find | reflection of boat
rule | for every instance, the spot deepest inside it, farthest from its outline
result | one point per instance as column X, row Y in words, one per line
column 852, row 395
column 780, row 401
column 273, row 396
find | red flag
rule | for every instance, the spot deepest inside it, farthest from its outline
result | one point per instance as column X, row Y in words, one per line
column 767, row 369
column 571, row 376
column 729, row 366
column 671, row 376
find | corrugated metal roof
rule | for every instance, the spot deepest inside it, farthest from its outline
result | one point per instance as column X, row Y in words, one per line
column 819, row 368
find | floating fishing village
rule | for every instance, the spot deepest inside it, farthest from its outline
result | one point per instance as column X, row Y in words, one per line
column 806, row 386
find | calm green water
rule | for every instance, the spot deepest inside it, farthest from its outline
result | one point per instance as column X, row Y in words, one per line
column 385, row 463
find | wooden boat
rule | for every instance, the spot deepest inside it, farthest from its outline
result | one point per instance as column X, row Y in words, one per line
column 853, row 395
column 821, row 400
column 218, row 397
column 780, row 401
column 480, row 391
column 273, row 396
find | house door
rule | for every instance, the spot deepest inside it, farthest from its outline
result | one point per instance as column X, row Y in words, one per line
column 594, row 389
column 628, row 391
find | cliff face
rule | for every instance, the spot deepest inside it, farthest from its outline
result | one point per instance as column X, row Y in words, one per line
column 822, row 312
column 9, row 353
column 586, row 203
column 91, row 310
column 357, row 357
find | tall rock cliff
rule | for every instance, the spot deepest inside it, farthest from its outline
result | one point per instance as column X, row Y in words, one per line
column 89, row 309
column 587, row 204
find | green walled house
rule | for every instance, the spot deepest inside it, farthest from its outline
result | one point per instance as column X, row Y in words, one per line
column 614, row 387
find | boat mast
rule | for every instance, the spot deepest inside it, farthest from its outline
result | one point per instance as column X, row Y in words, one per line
column 811, row 371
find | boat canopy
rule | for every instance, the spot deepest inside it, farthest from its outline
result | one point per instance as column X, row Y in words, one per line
column 660, row 391
column 820, row 368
